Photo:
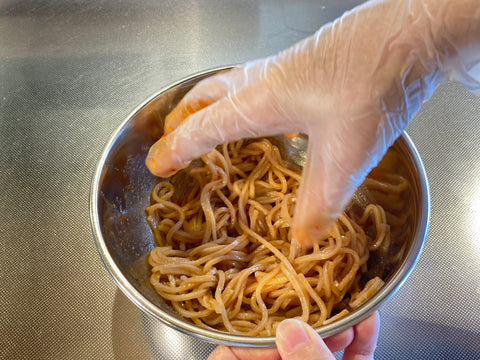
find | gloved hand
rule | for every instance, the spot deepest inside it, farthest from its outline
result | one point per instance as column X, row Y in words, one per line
column 352, row 87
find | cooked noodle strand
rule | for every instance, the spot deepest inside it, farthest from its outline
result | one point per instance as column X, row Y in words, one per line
column 226, row 258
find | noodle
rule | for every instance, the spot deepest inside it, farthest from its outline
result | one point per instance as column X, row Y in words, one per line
column 226, row 258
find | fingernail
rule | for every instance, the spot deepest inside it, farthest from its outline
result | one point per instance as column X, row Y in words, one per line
column 292, row 334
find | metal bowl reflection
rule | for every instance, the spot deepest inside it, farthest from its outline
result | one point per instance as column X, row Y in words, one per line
column 120, row 193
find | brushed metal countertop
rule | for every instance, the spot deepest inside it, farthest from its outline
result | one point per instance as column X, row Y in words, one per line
column 71, row 71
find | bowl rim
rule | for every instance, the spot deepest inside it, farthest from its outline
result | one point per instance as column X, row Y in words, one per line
column 394, row 284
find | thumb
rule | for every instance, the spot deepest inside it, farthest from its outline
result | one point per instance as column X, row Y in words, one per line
column 298, row 341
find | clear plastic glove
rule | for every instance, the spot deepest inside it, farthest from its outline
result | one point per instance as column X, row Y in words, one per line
column 298, row 341
column 352, row 87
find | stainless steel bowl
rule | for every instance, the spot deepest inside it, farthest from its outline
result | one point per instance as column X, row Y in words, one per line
column 120, row 193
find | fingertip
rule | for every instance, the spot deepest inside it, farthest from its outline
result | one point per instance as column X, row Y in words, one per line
column 307, row 233
column 152, row 160
column 162, row 160
column 301, row 235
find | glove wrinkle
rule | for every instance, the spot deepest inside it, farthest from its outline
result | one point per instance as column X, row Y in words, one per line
column 352, row 88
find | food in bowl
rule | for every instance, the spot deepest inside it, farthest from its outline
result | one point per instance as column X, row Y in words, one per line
column 121, row 188
column 225, row 257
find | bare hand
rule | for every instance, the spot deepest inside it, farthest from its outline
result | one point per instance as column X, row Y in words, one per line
column 298, row 341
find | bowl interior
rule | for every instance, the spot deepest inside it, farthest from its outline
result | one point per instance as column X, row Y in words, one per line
column 120, row 194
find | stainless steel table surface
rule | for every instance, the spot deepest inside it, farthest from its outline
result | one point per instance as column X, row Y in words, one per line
column 71, row 71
